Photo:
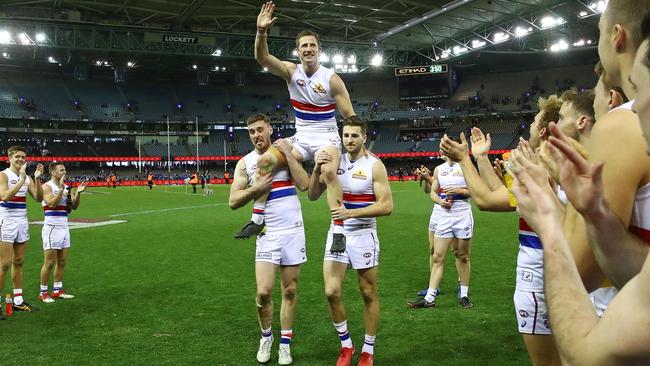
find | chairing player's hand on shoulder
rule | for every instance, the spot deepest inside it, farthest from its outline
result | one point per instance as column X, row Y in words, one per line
column 284, row 146
column 323, row 158
column 263, row 183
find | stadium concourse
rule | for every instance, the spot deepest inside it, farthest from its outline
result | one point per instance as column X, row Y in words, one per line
column 137, row 137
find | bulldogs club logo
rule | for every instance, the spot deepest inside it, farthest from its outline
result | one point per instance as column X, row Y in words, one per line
column 301, row 82
column 367, row 255
column 444, row 173
column 318, row 88
column 360, row 174
column 523, row 313
column 340, row 172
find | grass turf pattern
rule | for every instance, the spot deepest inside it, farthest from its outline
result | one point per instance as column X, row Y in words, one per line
column 172, row 286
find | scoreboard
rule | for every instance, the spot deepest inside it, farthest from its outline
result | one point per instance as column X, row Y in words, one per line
column 424, row 82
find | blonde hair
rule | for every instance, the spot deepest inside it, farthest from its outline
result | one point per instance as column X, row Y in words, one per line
column 14, row 149
column 550, row 108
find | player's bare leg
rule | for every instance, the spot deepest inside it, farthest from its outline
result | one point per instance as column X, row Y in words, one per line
column 423, row 292
column 49, row 262
column 17, row 277
column 463, row 264
column 6, row 252
column 265, row 279
column 57, row 291
column 266, row 163
column 289, row 279
column 334, row 195
column 334, row 275
column 441, row 246
column 368, row 287
column 542, row 350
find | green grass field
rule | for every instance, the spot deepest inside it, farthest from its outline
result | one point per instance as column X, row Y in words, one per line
column 171, row 286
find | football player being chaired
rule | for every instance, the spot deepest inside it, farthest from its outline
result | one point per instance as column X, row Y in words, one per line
column 315, row 93
column 283, row 243
column 58, row 201
column 366, row 195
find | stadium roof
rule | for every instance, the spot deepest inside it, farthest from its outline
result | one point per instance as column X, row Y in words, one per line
column 429, row 30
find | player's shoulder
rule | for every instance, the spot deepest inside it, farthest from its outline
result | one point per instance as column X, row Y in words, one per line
column 373, row 156
column 618, row 128
column 376, row 162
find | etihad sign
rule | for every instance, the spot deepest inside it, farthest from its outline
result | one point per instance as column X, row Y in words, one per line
column 419, row 70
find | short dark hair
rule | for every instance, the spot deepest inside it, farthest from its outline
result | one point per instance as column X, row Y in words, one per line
column 305, row 33
column 258, row 117
column 14, row 149
column 356, row 121
column 583, row 102
column 631, row 14
column 53, row 165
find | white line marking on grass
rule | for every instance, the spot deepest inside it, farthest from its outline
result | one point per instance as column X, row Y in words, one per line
column 167, row 209
column 83, row 225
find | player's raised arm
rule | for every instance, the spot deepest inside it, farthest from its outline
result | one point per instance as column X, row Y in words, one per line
column 35, row 186
column 480, row 147
column 340, row 94
column 76, row 195
column 240, row 193
column 619, row 253
column 485, row 199
column 52, row 200
column 277, row 67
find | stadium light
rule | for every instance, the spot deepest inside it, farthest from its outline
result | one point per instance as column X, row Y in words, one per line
column 558, row 46
column 52, row 60
column 217, row 52
column 477, row 43
column 294, row 53
column 521, row 31
column 223, row 68
column 352, row 59
column 5, row 37
column 549, row 21
column 265, row 69
column 194, row 67
column 24, row 39
column 324, row 58
column 337, row 59
column 376, row 60
column 458, row 50
column 500, row 37
column 598, row 6
column 98, row 63
column 5, row 55
column 40, row 37
column 130, row 64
